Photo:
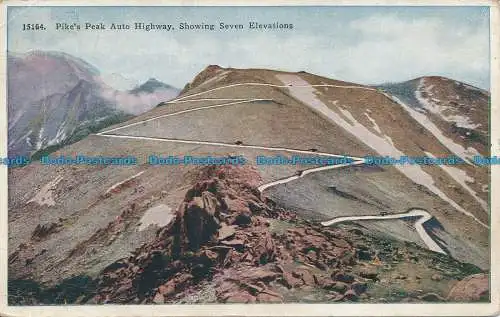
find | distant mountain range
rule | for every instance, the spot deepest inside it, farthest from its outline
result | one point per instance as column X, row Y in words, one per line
column 458, row 109
column 150, row 86
column 55, row 99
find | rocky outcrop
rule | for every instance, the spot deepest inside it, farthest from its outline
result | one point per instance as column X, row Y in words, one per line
column 222, row 233
column 42, row 231
column 209, row 72
column 249, row 250
column 472, row 288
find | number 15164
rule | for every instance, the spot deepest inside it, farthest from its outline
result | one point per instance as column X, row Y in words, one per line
column 33, row 27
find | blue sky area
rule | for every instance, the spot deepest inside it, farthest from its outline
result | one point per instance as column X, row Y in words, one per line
column 368, row 45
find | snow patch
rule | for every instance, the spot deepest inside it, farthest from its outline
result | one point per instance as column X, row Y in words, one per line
column 25, row 136
column 375, row 125
column 160, row 215
column 463, row 122
column 115, row 186
column 388, row 138
column 45, row 195
column 15, row 119
column 102, row 118
column 40, row 140
column 307, row 95
column 461, row 177
column 455, row 148
column 434, row 105
column 60, row 135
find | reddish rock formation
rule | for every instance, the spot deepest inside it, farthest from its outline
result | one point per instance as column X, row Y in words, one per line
column 222, row 234
column 472, row 288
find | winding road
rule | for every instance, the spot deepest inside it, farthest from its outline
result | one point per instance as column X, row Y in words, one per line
column 423, row 215
column 419, row 224
column 237, row 101
column 305, row 172
column 269, row 85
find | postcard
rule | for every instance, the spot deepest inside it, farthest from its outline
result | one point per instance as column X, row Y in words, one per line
column 173, row 158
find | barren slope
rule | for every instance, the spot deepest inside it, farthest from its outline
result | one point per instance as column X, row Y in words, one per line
column 67, row 221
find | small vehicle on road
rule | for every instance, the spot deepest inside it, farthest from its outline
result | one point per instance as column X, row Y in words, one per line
column 313, row 150
column 384, row 213
column 238, row 142
column 299, row 172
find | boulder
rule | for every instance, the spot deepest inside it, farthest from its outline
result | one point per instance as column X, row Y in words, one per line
column 237, row 205
column 236, row 243
column 260, row 274
column 243, row 219
column 471, row 288
column 339, row 287
column 226, row 231
column 264, row 251
column 359, row 287
column 166, row 289
column 255, row 207
column 436, row 277
column 200, row 221
column 343, row 277
column 306, row 276
column 364, row 255
column 336, row 297
column 290, row 281
column 369, row 272
column 43, row 231
column 350, row 295
column 210, row 203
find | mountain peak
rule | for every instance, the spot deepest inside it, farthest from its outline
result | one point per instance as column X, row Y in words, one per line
column 435, row 77
column 441, row 80
column 153, row 80
column 72, row 61
column 213, row 67
column 207, row 73
column 150, row 86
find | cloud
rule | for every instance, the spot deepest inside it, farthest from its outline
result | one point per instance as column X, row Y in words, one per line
column 387, row 48
column 399, row 48
column 136, row 104
column 371, row 49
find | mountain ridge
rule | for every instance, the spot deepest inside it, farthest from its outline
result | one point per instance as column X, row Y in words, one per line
column 150, row 86
column 251, row 113
column 54, row 98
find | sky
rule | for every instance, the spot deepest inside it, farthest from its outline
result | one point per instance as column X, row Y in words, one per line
column 367, row 45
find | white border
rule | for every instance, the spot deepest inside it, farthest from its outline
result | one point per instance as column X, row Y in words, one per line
column 354, row 309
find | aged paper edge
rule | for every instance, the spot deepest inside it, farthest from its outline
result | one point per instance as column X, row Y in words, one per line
column 466, row 309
